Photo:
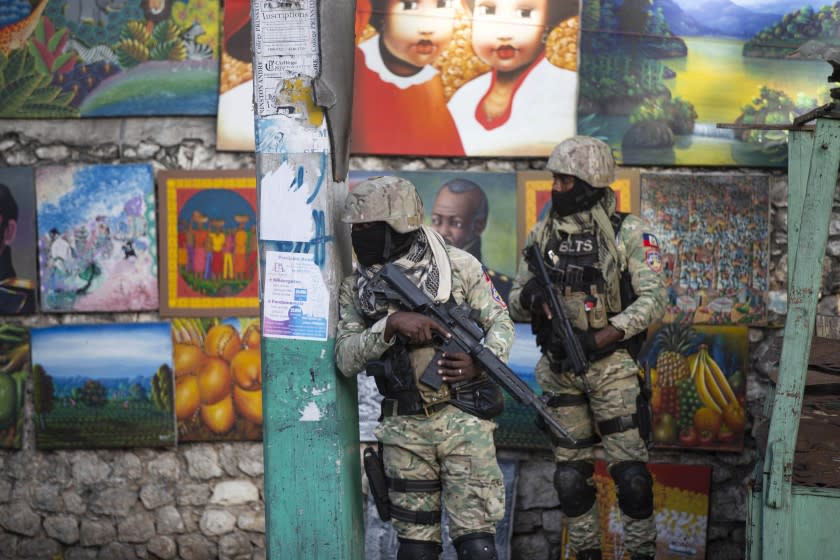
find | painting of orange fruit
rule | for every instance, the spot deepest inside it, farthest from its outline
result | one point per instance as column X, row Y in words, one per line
column 218, row 379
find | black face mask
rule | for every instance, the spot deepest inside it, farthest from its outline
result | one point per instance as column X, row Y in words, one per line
column 379, row 243
column 582, row 196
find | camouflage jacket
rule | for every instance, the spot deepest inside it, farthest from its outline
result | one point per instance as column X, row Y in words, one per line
column 357, row 343
column 639, row 247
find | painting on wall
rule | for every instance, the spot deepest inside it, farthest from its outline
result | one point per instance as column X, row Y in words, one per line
column 534, row 196
column 218, row 379
column 491, row 82
column 698, row 379
column 86, row 58
column 14, row 370
column 103, row 385
column 208, row 243
column 680, row 507
column 473, row 211
column 97, row 239
column 714, row 237
column 235, row 120
column 18, row 240
column 651, row 77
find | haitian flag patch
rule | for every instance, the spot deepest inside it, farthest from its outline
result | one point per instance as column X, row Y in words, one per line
column 493, row 292
column 649, row 240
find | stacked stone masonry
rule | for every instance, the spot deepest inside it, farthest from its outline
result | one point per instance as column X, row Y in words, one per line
column 201, row 501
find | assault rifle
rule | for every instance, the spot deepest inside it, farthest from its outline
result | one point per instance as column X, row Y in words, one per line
column 461, row 321
column 561, row 328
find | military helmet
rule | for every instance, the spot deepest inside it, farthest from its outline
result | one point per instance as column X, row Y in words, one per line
column 392, row 200
column 584, row 157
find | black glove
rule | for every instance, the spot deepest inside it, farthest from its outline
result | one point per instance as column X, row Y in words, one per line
column 532, row 297
column 587, row 342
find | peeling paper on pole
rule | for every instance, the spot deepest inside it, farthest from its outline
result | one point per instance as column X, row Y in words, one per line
column 285, row 46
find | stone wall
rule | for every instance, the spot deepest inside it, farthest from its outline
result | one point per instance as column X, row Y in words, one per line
column 205, row 500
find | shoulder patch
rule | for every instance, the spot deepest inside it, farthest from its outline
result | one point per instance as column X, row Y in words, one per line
column 653, row 259
column 649, row 240
column 493, row 292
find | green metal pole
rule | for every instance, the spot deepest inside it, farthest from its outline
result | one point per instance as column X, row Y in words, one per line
column 805, row 259
column 310, row 431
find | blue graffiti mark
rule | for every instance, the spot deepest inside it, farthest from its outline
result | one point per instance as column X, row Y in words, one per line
column 317, row 245
column 320, row 179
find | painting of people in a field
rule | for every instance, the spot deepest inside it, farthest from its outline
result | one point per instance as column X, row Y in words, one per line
column 209, row 242
column 103, row 385
column 97, row 58
column 97, row 239
column 657, row 77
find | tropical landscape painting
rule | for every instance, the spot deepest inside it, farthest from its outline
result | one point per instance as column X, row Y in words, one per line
column 14, row 371
column 95, row 58
column 657, row 76
column 103, row 385
column 97, row 242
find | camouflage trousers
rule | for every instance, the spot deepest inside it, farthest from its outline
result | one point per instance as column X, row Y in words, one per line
column 456, row 448
column 614, row 388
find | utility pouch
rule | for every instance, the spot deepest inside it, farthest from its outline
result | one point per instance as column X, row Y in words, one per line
column 375, row 471
column 481, row 398
column 596, row 311
column 575, row 305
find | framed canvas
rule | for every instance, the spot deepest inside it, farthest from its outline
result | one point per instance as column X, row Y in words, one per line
column 714, row 236
column 97, row 238
column 208, row 243
column 18, row 242
column 15, row 365
column 534, row 196
column 458, row 88
column 698, row 380
column 218, row 378
column 235, row 120
column 472, row 210
column 108, row 385
column 680, row 507
column 655, row 81
column 109, row 58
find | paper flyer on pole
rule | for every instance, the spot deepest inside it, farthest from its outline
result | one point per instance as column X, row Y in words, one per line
column 295, row 297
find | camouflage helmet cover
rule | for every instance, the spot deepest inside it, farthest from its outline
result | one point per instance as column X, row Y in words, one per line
column 584, row 157
column 392, row 200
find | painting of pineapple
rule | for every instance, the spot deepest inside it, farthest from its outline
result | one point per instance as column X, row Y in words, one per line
column 674, row 343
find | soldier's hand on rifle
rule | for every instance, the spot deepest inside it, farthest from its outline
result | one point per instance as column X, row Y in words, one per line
column 456, row 367
column 532, row 298
column 415, row 327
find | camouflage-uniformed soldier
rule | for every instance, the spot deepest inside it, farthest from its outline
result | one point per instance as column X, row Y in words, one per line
column 430, row 445
column 587, row 249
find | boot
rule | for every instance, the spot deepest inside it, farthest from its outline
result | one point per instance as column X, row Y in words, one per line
column 589, row 554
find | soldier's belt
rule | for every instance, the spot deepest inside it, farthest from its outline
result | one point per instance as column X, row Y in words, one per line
column 396, row 407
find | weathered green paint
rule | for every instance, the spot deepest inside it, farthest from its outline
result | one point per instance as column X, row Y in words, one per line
column 780, row 517
column 312, row 473
column 815, row 513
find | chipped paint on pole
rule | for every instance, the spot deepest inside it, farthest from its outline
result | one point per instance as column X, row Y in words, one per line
column 311, row 439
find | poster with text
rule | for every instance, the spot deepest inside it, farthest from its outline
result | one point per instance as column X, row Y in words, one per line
column 453, row 78
column 656, row 78
column 18, row 240
column 680, row 507
column 218, row 378
column 103, row 385
column 97, row 238
column 698, row 380
column 108, row 58
column 714, row 237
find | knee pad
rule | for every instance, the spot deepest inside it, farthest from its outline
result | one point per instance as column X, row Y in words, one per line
column 418, row 550
column 575, row 487
column 476, row 546
column 635, row 488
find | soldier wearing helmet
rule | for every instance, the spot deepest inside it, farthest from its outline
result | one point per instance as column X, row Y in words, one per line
column 606, row 268
column 430, row 445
